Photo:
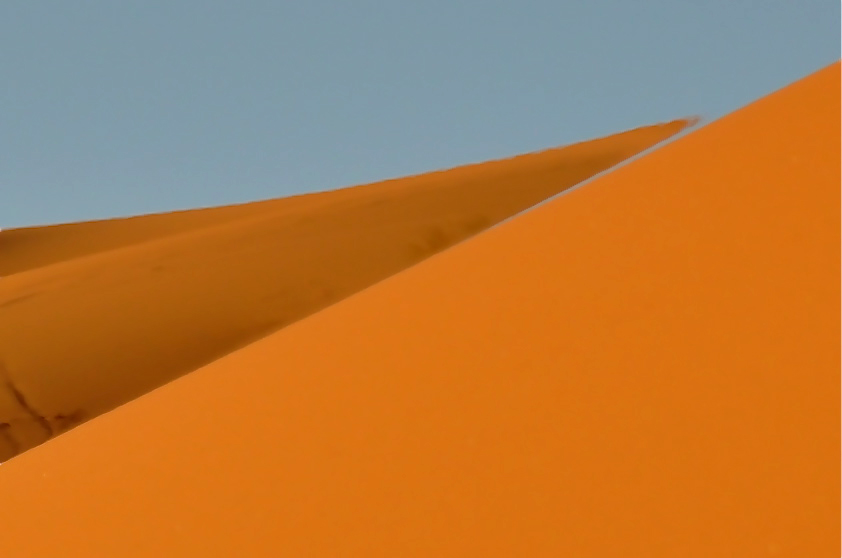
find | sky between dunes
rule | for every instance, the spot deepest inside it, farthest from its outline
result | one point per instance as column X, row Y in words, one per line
column 121, row 108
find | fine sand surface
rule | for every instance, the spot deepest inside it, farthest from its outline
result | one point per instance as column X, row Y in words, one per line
column 647, row 366
column 95, row 314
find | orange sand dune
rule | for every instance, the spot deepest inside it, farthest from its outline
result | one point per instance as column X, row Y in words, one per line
column 646, row 366
column 32, row 247
column 143, row 301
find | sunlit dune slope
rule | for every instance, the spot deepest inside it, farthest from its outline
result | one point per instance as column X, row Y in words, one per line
column 646, row 366
column 81, row 336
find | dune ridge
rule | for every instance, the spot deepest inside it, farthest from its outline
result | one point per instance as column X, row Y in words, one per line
column 32, row 247
column 95, row 314
column 647, row 366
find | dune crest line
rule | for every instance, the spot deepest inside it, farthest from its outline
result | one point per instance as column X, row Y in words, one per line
column 127, row 305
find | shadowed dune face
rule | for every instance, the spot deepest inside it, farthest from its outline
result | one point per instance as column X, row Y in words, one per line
column 116, row 308
column 648, row 366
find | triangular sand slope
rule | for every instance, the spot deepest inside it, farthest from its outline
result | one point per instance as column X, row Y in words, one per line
column 647, row 366
column 116, row 308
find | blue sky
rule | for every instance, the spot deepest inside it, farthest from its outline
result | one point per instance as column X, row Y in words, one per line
column 118, row 108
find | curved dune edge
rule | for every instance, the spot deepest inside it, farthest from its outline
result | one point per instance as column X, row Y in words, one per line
column 29, row 248
column 145, row 300
column 665, row 385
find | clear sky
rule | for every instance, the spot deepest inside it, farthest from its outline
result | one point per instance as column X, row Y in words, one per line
column 112, row 108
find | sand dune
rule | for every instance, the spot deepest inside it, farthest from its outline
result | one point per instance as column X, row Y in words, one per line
column 95, row 314
column 32, row 247
column 646, row 366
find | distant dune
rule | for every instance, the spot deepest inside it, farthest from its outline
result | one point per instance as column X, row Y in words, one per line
column 95, row 314
column 557, row 169
column 647, row 366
